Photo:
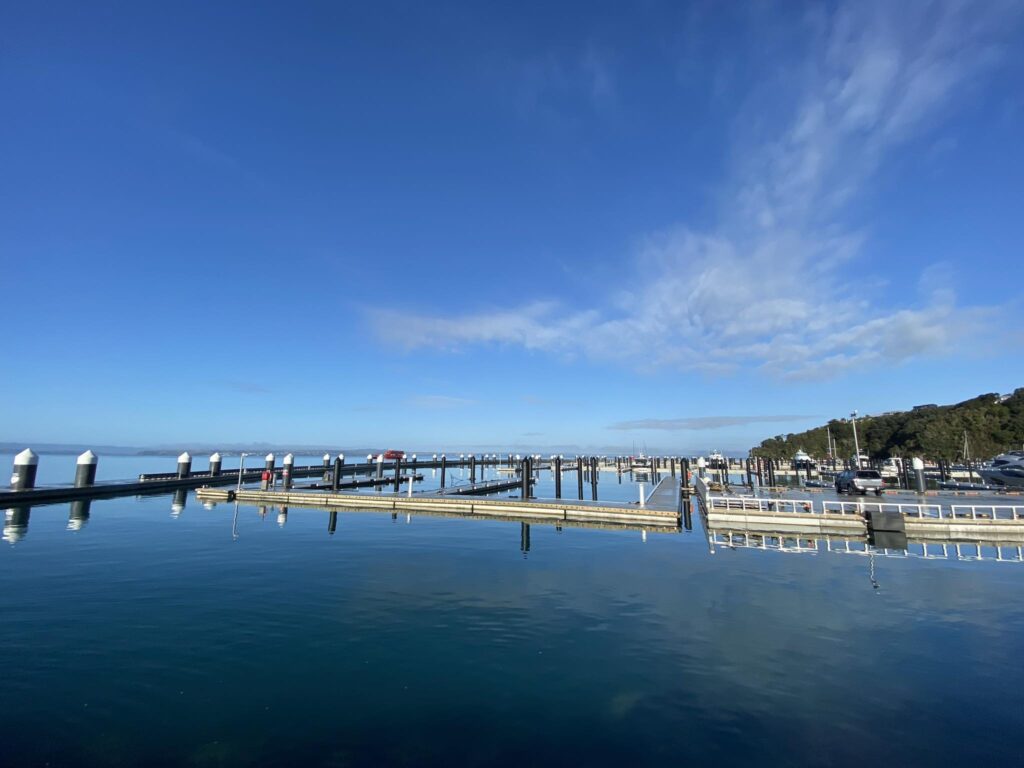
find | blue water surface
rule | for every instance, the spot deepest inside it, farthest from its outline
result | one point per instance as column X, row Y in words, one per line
column 205, row 637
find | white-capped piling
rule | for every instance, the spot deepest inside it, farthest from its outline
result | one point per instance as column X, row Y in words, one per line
column 26, row 464
column 444, row 464
column 85, row 469
column 327, row 461
column 288, row 465
column 215, row 464
column 380, row 466
column 918, row 474
column 269, row 462
column 184, row 465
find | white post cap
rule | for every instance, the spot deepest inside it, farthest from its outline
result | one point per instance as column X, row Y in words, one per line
column 435, row 457
column 414, row 457
column 369, row 457
column 327, row 457
column 289, row 459
column 87, row 458
column 916, row 463
column 184, row 457
column 269, row 457
column 380, row 458
column 26, row 458
column 341, row 456
column 215, row 457
column 701, row 462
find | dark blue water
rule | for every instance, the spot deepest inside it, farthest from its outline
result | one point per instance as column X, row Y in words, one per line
column 202, row 639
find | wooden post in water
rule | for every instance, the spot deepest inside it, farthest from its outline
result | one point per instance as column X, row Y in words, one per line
column 579, row 476
column 558, row 477
column 398, row 475
column 472, row 468
column 336, row 477
column 215, row 464
column 444, row 464
column 525, row 491
column 593, row 478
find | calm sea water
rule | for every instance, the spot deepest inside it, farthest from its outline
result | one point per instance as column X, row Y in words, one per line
column 208, row 638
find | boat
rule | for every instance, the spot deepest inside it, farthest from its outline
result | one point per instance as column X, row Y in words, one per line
column 802, row 460
column 1006, row 469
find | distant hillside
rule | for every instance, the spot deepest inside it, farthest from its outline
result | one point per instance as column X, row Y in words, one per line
column 994, row 424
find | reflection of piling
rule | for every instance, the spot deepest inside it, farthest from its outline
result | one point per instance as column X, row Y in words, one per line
column 282, row 517
column 85, row 470
column 16, row 524
column 558, row 477
column 178, row 503
column 524, row 537
column 26, row 464
column 332, row 522
column 79, row 514
column 687, row 514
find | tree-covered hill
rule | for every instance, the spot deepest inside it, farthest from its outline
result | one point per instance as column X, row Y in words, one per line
column 993, row 425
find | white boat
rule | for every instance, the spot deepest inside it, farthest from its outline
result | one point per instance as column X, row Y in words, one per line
column 1006, row 469
column 802, row 460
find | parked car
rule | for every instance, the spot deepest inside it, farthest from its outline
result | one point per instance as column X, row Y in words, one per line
column 860, row 481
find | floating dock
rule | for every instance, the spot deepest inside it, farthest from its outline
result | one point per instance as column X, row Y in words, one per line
column 656, row 516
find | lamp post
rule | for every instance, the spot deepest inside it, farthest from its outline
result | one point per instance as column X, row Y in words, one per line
column 856, row 445
column 241, row 471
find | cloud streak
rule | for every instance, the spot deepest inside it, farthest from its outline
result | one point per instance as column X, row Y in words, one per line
column 778, row 284
column 701, row 422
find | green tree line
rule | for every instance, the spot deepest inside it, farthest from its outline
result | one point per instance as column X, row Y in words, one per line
column 993, row 425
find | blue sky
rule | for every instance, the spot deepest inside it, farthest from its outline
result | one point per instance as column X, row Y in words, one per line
column 686, row 226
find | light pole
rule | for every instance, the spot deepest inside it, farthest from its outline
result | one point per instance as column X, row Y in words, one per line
column 241, row 471
column 856, row 445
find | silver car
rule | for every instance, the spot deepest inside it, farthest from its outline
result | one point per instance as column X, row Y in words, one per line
column 860, row 481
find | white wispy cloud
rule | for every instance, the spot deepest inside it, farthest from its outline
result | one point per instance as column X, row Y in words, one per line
column 439, row 401
column 701, row 422
column 776, row 284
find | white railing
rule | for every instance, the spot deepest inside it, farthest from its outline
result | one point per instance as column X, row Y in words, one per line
column 860, row 507
column 987, row 511
column 757, row 504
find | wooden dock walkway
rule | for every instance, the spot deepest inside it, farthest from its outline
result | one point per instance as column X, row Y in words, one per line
column 523, row 510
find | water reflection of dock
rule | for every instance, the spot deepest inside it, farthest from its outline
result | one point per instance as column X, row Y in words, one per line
column 929, row 530
column 794, row 543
